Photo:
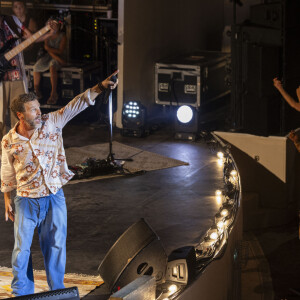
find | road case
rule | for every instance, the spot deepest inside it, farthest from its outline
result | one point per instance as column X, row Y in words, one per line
column 72, row 80
column 192, row 79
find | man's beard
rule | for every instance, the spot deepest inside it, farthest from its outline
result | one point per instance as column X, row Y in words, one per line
column 32, row 124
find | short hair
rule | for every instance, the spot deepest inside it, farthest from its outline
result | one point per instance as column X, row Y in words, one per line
column 17, row 104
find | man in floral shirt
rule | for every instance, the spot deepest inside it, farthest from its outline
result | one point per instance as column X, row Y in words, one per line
column 34, row 163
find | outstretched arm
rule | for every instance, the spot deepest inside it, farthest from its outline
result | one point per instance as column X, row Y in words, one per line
column 81, row 102
column 287, row 97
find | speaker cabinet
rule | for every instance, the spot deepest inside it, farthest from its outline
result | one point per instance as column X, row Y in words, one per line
column 181, row 265
column 137, row 252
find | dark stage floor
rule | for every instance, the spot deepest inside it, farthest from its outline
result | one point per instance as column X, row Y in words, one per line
column 179, row 203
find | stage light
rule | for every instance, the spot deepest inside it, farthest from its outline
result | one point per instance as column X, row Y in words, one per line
column 224, row 212
column 213, row 236
column 184, row 114
column 220, row 162
column 221, row 225
column 186, row 122
column 219, row 199
column 134, row 119
column 220, row 154
column 218, row 192
column 172, row 288
column 233, row 173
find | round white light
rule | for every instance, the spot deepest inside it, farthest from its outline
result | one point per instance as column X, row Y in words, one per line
column 221, row 224
column 220, row 154
column 172, row 288
column 184, row 114
column 233, row 173
column 214, row 236
column 220, row 162
column 218, row 193
column 219, row 199
column 224, row 212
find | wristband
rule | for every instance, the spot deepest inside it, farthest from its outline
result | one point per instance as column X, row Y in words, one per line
column 101, row 87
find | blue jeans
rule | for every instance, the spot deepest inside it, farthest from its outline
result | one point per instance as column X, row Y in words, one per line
column 49, row 215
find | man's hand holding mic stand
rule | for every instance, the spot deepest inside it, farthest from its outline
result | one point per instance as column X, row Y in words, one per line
column 106, row 85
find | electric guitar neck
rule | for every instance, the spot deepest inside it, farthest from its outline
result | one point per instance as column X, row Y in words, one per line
column 22, row 46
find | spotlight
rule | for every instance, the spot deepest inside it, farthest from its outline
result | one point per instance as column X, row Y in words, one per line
column 134, row 118
column 186, row 122
column 184, row 114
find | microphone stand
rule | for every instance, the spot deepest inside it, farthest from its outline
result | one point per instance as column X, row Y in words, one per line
column 110, row 158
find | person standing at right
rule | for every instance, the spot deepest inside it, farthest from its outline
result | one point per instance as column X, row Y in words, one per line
column 293, row 103
column 286, row 96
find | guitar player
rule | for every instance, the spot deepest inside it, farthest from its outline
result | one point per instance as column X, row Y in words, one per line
column 13, row 82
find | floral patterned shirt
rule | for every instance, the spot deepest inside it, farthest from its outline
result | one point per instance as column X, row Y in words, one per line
column 38, row 166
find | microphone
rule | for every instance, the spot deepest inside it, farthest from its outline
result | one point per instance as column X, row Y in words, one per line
column 108, row 90
column 113, row 78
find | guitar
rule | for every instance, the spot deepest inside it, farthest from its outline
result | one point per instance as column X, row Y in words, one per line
column 5, row 58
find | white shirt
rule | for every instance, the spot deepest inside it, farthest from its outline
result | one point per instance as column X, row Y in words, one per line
column 38, row 166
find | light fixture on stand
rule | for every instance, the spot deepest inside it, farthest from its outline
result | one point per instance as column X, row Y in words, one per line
column 134, row 115
column 186, row 122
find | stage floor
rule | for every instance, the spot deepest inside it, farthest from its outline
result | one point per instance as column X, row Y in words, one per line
column 178, row 203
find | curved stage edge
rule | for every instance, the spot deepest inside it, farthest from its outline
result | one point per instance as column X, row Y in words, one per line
column 218, row 254
column 221, row 277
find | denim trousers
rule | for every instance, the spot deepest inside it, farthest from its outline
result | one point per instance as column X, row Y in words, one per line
column 49, row 215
